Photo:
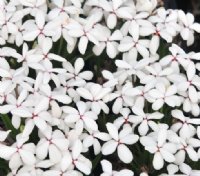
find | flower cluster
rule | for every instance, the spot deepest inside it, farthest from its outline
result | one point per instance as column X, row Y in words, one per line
column 98, row 87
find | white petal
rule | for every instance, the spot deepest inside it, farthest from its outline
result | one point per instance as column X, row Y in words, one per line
column 46, row 45
column 155, row 93
column 30, row 36
column 111, row 21
column 134, row 30
column 124, row 153
column 109, row 147
column 54, row 154
column 6, row 109
column 146, row 140
column 138, row 111
column 65, row 99
column 185, row 34
column 192, row 154
column 4, row 135
column 84, row 93
column 143, row 128
column 15, row 161
column 157, row 104
column 178, row 114
column 112, row 130
column 142, row 50
column 83, row 167
column 56, row 57
column 82, row 45
column 122, row 64
column 42, row 150
column 6, row 152
column 116, row 35
column 90, row 123
column 162, row 136
column 193, row 95
column 5, row 73
column 79, row 64
column 106, row 166
column 28, row 128
column 154, row 44
column 196, row 27
column 171, row 90
column 82, row 107
column 42, row 105
column 167, row 155
column 111, row 49
column 21, row 112
column 66, row 161
column 76, row 149
column 27, row 157
column 158, row 161
column 117, row 106
column 129, row 139
column 40, row 19
column 40, row 123
column 191, row 70
column 180, row 157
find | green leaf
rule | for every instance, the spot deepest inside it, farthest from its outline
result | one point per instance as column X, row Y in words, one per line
column 7, row 122
column 3, row 167
column 96, row 161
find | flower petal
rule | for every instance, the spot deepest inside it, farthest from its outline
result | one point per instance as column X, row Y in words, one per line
column 124, row 153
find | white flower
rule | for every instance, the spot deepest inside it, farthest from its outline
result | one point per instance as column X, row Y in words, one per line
column 176, row 58
column 124, row 97
column 19, row 153
column 52, row 144
column 168, row 18
column 48, row 73
column 107, row 170
column 63, row 7
column 190, row 83
column 115, row 10
column 163, row 94
column 134, row 45
column 46, row 45
column 76, row 159
column 37, row 116
column 126, row 118
column 156, row 74
column 145, row 119
column 185, row 124
column 119, row 142
column 157, row 32
column 109, row 41
column 148, row 5
column 62, row 104
column 7, row 23
column 37, row 28
column 188, row 27
column 82, row 116
column 93, row 139
column 112, row 80
column 130, row 66
column 34, row 5
column 74, row 74
column 96, row 94
column 161, row 149
column 77, row 30
column 55, row 95
column 187, row 146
